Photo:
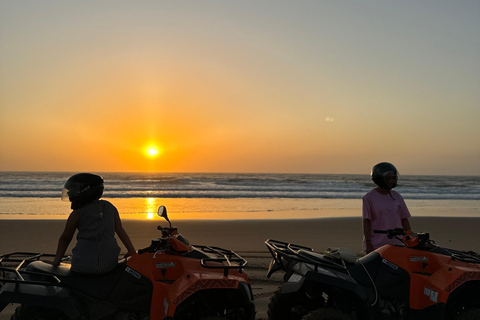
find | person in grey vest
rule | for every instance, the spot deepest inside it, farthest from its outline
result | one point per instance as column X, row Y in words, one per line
column 97, row 221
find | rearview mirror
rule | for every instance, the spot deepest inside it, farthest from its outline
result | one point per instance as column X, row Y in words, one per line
column 162, row 212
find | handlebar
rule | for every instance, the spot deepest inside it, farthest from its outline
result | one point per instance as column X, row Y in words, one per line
column 410, row 239
column 142, row 251
column 391, row 233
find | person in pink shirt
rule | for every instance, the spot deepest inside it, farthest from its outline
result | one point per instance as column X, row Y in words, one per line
column 383, row 208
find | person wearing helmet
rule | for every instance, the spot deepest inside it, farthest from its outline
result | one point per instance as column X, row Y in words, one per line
column 97, row 221
column 383, row 208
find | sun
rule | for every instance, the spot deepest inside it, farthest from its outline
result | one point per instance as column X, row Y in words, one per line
column 152, row 151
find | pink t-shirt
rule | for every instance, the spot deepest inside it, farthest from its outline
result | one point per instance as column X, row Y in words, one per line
column 384, row 212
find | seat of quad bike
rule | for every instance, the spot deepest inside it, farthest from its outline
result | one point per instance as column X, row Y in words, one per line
column 331, row 256
column 318, row 258
column 344, row 254
column 98, row 286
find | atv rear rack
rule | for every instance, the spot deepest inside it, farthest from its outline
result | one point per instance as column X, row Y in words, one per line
column 227, row 260
column 279, row 250
column 13, row 265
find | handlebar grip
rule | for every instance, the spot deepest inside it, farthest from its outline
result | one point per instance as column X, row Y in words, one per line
column 142, row 251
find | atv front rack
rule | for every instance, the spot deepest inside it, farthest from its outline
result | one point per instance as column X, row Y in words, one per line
column 465, row 256
column 280, row 250
column 13, row 269
column 227, row 259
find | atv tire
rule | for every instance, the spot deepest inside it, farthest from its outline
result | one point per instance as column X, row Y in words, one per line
column 327, row 314
column 286, row 307
column 469, row 314
column 27, row 312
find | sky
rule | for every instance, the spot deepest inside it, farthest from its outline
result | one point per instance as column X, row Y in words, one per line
column 240, row 86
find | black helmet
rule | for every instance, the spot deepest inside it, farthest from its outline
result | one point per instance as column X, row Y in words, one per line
column 380, row 170
column 82, row 188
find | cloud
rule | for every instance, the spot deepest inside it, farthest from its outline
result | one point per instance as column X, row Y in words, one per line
column 329, row 119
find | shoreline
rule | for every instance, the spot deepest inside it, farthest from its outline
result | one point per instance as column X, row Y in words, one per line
column 244, row 208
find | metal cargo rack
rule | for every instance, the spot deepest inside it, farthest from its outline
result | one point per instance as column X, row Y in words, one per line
column 280, row 250
column 227, row 258
column 13, row 269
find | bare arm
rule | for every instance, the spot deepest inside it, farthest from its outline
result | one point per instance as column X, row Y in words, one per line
column 66, row 237
column 406, row 224
column 122, row 234
column 367, row 232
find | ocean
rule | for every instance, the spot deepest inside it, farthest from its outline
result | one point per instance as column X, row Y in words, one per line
column 230, row 194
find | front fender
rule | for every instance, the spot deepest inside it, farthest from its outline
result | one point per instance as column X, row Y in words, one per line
column 204, row 284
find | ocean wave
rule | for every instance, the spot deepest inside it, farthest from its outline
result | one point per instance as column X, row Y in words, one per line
column 226, row 186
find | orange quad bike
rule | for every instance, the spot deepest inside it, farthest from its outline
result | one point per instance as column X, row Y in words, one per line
column 417, row 280
column 169, row 280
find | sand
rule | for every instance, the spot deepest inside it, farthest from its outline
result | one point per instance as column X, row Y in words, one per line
column 246, row 237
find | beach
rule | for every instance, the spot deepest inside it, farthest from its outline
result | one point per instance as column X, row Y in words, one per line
column 246, row 237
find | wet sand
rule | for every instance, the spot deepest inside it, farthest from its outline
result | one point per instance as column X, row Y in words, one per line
column 246, row 237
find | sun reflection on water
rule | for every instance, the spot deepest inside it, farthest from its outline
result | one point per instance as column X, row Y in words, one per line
column 151, row 207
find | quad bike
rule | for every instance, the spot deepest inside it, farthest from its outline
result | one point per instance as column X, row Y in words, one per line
column 169, row 280
column 419, row 280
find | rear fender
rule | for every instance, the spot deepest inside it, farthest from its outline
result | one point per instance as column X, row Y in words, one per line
column 339, row 280
column 51, row 297
column 292, row 286
column 294, row 279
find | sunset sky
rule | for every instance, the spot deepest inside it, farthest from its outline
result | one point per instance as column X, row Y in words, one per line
column 240, row 86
